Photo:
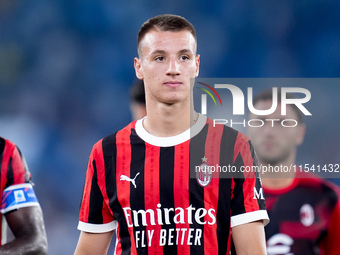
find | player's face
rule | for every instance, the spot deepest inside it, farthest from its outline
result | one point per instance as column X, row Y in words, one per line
column 277, row 144
column 168, row 60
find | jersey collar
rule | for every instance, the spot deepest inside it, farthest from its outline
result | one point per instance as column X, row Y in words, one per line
column 170, row 140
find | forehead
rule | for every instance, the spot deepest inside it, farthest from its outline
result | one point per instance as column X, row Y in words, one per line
column 167, row 41
column 266, row 104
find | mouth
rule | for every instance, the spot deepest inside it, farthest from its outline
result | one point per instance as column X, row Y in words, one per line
column 173, row 84
column 269, row 145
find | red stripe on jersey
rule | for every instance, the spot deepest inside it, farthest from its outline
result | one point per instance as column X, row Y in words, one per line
column 211, row 192
column 242, row 148
column 85, row 205
column 123, row 168
column 152, row 198
column 232, row 189
column 181, row 191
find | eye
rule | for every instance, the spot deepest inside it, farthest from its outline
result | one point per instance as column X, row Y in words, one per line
column 184, row 57
column 159, row 58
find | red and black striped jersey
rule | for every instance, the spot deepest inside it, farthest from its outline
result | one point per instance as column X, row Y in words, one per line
column 305, row 217
column 13, row 168
column 155, row 192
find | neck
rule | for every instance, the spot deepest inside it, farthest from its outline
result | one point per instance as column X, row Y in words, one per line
column 276, row 183
column 278, row 176
column 169, row 120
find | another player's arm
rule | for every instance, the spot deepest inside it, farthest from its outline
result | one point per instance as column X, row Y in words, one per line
column 93, row 243
column 90, row 243
column 28, row 228
column 249, row 238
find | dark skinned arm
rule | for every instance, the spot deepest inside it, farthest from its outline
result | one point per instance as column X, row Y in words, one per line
column 27, row 225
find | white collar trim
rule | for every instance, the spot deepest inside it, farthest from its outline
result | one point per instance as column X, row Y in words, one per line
column 170, row 140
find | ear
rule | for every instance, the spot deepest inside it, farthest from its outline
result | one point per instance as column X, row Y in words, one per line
column 198, row 58
column 197, row 64
column 138, row 68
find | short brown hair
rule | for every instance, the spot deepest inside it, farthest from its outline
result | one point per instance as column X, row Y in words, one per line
column 268, row 95
column 165, row 22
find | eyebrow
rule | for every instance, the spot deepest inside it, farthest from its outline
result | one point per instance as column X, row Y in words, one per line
column 164, row 52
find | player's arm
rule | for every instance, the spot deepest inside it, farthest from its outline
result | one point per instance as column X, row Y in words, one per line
column 93, row 243
column 249, row 238
column 96, row 233
column 27, row 225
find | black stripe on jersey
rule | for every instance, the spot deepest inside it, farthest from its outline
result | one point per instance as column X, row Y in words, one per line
column 137, row 197
column 109, row 153
column 2, row 148
column 96, row 199
column 237, row 206
column 226, row 158
column 10, row 174
column 166, row 184
column 196, row 195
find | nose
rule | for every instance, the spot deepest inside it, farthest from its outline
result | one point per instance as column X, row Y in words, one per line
column 173, row 68
column 271, row 128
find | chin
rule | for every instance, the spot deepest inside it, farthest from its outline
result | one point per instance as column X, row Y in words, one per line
column 173, row 100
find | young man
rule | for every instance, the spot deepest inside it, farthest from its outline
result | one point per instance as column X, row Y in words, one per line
column 19, row 205
column 138, row 180
column 304, row 210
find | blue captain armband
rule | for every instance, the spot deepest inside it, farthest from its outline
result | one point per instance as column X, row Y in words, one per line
column 18, row 196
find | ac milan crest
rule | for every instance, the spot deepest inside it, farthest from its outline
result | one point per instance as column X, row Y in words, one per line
column 203, row 175
column 307, row 215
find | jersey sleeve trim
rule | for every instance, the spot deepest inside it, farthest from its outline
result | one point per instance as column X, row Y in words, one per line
column 97, row 228
column 250, row 217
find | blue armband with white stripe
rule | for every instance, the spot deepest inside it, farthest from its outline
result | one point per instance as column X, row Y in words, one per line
column 18, row 196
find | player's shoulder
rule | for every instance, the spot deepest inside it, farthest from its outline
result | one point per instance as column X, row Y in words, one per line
column 108, row 143
column 314, row 181
column 8, row 143
column 228, row 130
column 8, row 146
column 231, row 135
column 2, row 144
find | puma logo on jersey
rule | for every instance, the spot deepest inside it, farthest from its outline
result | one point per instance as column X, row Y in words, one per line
column 125, row 178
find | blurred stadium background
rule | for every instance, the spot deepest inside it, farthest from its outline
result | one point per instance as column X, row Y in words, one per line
column 66, row 68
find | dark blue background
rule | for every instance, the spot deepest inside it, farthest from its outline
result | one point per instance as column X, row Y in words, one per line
column 66, row 67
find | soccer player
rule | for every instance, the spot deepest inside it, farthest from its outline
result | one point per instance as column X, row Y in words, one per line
column 304, row 209
column 19, row 205
column 137, row 100
column 147, row 182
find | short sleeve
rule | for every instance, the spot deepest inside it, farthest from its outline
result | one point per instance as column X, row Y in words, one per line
column 17, row 191
column 95, row 215
column 14, row 167
column 248, row 202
